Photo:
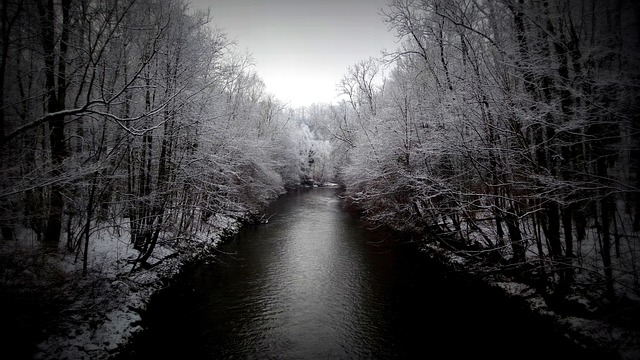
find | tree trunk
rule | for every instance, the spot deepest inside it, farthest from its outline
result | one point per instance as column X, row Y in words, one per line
column 56, row 101
column 605, row 219
column 511, row 220
column 567, row 216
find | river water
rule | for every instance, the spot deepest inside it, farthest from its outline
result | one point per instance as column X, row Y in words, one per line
column 313, row 284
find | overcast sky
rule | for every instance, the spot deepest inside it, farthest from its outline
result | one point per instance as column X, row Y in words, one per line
column 302, row 48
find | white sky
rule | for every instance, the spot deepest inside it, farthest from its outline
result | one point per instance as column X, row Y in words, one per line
column 302, row 48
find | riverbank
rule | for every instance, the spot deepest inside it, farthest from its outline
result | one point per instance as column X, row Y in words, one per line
column 52, row 311
column 609, row 331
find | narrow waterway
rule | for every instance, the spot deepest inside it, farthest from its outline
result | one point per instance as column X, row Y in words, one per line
column 313, row 284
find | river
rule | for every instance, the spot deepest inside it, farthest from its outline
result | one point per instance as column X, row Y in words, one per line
column 314, row 284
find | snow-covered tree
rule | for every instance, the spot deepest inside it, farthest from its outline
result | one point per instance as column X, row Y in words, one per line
column 508, row 125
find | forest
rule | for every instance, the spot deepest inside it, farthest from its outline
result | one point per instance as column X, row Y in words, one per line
column 506, row 131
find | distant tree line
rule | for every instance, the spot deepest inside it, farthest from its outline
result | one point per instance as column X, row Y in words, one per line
column 135, row 116
column 510, row 126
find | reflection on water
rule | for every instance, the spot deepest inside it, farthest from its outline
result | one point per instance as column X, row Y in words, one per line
column 310, row 292
column 312, row 284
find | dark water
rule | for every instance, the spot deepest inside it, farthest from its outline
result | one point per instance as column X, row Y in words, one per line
column 313, row 284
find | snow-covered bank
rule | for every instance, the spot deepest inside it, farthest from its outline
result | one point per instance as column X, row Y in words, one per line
column 612, row 329
column 98, row 313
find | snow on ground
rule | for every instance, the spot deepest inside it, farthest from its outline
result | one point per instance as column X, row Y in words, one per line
column 588, row 330
column 103, row 308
